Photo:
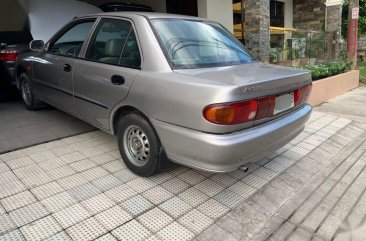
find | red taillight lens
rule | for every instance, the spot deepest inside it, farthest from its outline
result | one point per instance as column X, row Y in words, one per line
column 257, row 109
column 266, row 107
column 301, row 95
column 231, row 113
column 8, row 55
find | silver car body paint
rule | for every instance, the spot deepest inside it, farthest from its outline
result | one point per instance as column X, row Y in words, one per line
column 173, row 100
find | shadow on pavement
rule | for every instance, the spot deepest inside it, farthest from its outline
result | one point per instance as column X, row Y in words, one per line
column 20, row 128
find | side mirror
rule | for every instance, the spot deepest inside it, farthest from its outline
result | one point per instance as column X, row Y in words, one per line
column 36, row 45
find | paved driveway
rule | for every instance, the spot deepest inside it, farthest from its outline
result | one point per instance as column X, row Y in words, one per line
column 78, row 188
column 21, row 128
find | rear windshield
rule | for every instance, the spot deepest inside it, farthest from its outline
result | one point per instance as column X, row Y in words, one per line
column 197, row 44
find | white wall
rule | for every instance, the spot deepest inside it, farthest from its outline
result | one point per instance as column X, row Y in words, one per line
column 217, row 10
column 289, row 13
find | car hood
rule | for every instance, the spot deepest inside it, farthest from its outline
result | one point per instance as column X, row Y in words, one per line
column 247, row 74
column 47, row 17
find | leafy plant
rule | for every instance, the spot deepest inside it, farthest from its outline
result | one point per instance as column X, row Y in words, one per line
column 328, row 69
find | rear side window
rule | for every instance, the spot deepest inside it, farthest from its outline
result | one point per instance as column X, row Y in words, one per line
column 70, row 42
column 114, row 42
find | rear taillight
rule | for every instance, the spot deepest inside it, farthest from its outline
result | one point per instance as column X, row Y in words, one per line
column 256, row 109
column 8, row 55
column 301, row 95
column 231, row 113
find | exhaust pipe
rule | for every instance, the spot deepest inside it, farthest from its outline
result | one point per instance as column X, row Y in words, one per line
column 243, row 168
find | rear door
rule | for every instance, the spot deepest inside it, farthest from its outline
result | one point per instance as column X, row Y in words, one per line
column 110, row 64
column 53, row 69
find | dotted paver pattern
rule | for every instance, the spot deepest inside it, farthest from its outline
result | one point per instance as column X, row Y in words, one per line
column 78, row 188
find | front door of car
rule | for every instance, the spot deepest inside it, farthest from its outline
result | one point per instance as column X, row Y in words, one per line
column 110, row 64
column 53, row 69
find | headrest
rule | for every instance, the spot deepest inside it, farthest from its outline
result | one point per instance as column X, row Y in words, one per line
column 113, row 47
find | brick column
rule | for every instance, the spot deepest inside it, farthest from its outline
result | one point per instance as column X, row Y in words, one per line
column 333, row 28
column 257, row 35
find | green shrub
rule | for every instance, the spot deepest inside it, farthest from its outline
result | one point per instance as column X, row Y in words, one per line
column 328, row 69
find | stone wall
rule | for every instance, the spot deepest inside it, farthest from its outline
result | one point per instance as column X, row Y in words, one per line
column 257, row 38
column 362, row 43
column 309, row 14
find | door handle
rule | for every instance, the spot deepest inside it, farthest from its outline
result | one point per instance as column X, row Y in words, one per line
column 118, row 80
column 67, row 68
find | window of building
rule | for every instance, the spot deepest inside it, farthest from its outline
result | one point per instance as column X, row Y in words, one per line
column 239, row 19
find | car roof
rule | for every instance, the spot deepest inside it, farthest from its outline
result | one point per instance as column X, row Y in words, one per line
column 149, row 15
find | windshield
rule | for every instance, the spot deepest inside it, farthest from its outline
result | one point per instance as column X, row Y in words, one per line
column 195, row 44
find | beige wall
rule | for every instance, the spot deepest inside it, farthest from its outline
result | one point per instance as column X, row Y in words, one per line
column 12, row 16
column 217, row 10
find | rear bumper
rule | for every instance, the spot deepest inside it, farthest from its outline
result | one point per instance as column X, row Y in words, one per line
column 223, row 153
column 7, row 73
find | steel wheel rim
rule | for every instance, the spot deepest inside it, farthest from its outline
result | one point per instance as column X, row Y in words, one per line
column 26, row 92
column 136, row 145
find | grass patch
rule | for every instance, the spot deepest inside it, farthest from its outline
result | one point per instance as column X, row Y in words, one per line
column 362, row 68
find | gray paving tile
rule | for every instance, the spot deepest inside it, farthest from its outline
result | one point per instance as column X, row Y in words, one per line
column 175, row 185
column 84, row 192
column 157, row 195
column 121, row 193
column 132, row 231
column 82, row 165
column 28, row 213
column 18, row 200
column 7, row 177
column 106, row 183
column 47, row 190
column 88, row 229
column 71, row 215
column 141, row 184
column 58, row 202
column 113, row 217
column 209, row 187
column 107, row 237
column 6, row 224
column 61, row 236
column 14, row 235
column 94, row 173
column 213, row 209
column 193, row 196
column 195, row 221
column 41, row 229
column 125, row 175
column 98, row 203
column 175, row 231
column 155, row 219
column 137, row 205
column 191, row 177
column 175, row 207
column 12, row 188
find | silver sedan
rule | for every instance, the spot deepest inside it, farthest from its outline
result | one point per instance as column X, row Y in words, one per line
column 174, row 89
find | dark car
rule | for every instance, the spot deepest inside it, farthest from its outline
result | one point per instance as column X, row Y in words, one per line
column 12, row 44
column 15, row 43
column 125, row 7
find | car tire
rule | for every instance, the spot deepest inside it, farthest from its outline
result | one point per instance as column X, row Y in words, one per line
column 139, row 145
column 28, row 94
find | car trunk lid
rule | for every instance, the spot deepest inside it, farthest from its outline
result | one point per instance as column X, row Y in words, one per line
column 254, row 79
column 277, row 90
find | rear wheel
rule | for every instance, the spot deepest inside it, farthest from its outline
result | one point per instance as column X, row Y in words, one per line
column 29, row 97
column 139, row 145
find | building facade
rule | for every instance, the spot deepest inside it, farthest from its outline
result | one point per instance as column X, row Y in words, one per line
column 268, row 27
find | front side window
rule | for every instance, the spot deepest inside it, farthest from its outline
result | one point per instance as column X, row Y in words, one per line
column 70, row 43
column 114, row 42
column 196, row 44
